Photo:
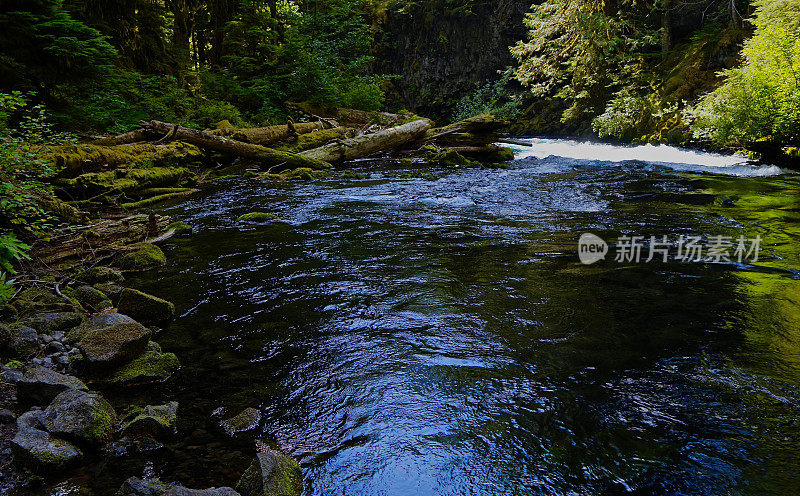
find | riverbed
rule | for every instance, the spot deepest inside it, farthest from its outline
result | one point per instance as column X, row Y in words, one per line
column 418, row 331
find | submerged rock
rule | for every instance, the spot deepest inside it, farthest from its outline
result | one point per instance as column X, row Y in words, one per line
column 38, row 449
column 257, row 217
column 156, row 421
column 179, row 227
column 116, row 344
column 152, row 366
column 245, row 424
column 39, row 385
column 145, row 256
column 80, row 416
column 144, row 307
column 271, row 474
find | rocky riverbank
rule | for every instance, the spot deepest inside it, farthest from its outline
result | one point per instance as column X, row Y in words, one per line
column 78, row 336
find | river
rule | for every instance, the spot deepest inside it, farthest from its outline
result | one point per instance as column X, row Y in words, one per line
column 433, row 332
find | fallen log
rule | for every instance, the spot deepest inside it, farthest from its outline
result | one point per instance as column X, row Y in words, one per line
column 483, row 124
column 75, row 160
column 228, row 146
column 365, row 145
column 347, row 117
column 272, row 134
column 135, row 136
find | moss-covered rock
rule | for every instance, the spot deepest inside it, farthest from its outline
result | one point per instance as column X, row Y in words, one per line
column 179, row 227
column 144, row 256
column 23, row 341
column 98, row 323
column 97, row 275
column 156, row 421
column 112, row 291
column 90, row 298
column 271, row 474
column 144, row 307
column 152, row 366
column 257, row 217
column 40, row 300
column 304, row 174
column 38, row 450
column 50, row 322
column 244, row 425
column 79, row 416
column 114, row 345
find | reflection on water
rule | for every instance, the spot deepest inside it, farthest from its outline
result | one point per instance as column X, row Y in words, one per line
column 406, row 336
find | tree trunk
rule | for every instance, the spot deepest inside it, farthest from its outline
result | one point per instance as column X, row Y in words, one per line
column 347, row 117
column 264, row 155
column 268, row 135
column 367, row 144
column 122, row 139
column 74, row 160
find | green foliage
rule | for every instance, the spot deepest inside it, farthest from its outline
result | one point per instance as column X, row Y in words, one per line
column 761, row 98
column 23, row 168
column 493, row 97
column 12, row 250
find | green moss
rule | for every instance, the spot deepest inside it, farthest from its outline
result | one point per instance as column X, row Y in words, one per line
column 145, row 256
column 126, row 180
column 179, row 227
column 316, row 139
column 257, row 217
column 152, row 365
column 351, row 174
column 305, row 174
column 100, row 274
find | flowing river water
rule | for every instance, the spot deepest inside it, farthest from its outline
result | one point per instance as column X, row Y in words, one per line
column 433, row 332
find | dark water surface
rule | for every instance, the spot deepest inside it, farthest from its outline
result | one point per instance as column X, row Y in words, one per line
column 409, row 336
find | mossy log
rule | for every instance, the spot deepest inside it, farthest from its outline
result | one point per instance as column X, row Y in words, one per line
column 318, row 138
column 74, row 160
column 228, row 146
column 367, row 144
column 125, row 180
column 483, row 124
column 269, row 135
column 347, row 117
column 136, row 136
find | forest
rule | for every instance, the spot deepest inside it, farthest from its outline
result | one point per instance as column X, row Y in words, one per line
column 135, row 130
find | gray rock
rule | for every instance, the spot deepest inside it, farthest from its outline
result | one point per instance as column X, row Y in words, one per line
column 39, row 385
column 96, row 322
column 48, row 323
column 9, row 375
column 152, row 420
column 135, row 486
column 245, row 424
column 58, row 335
column 214, row 491
column 46, row 338
column 23, row 341
column 144, row 307
column 116, row 344
column 7, row 416
column 80, row 416
column 131, row 445
column 271, row 474
column 55, row 347
column 37, row 449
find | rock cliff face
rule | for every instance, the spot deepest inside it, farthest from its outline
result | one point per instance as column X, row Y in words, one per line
column 441, row 50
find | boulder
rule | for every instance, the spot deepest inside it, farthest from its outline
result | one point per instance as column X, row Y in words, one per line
column 40, row 300
column 98, row 322
column 50, row 322
column 152, row 366
column 245, row 424
column 271, row 474
column 96, row 275
column 39, row 385
column 39, row 450
column 144, row 256
column 92, row 298
column 135, row 486
column 23, row 341
column 129, row 445
column 144, row 307
column 114, row 345
column 214, row 491
column 155, row 421
column 80, row 416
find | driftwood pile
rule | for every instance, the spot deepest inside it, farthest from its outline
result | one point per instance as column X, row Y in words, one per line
column 164, row 160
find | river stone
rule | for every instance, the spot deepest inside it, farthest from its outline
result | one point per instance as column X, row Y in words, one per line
column 36, row 299
column 48, row 323
column 214, row 491
column 144, row 307
column 111, row 290
column 144, row 256
column 95, row 275
column 37, row 449
column 116, row 344
column 135, row 486
column 271, row 474
column 245, row 424
column 96, row 322
column 157, row 421
column 92, row 298
column 23, row 341
column 39, row 385
column 80, row 416
column 152, row 366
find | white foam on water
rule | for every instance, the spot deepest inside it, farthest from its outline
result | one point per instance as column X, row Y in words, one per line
column 669, row 156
